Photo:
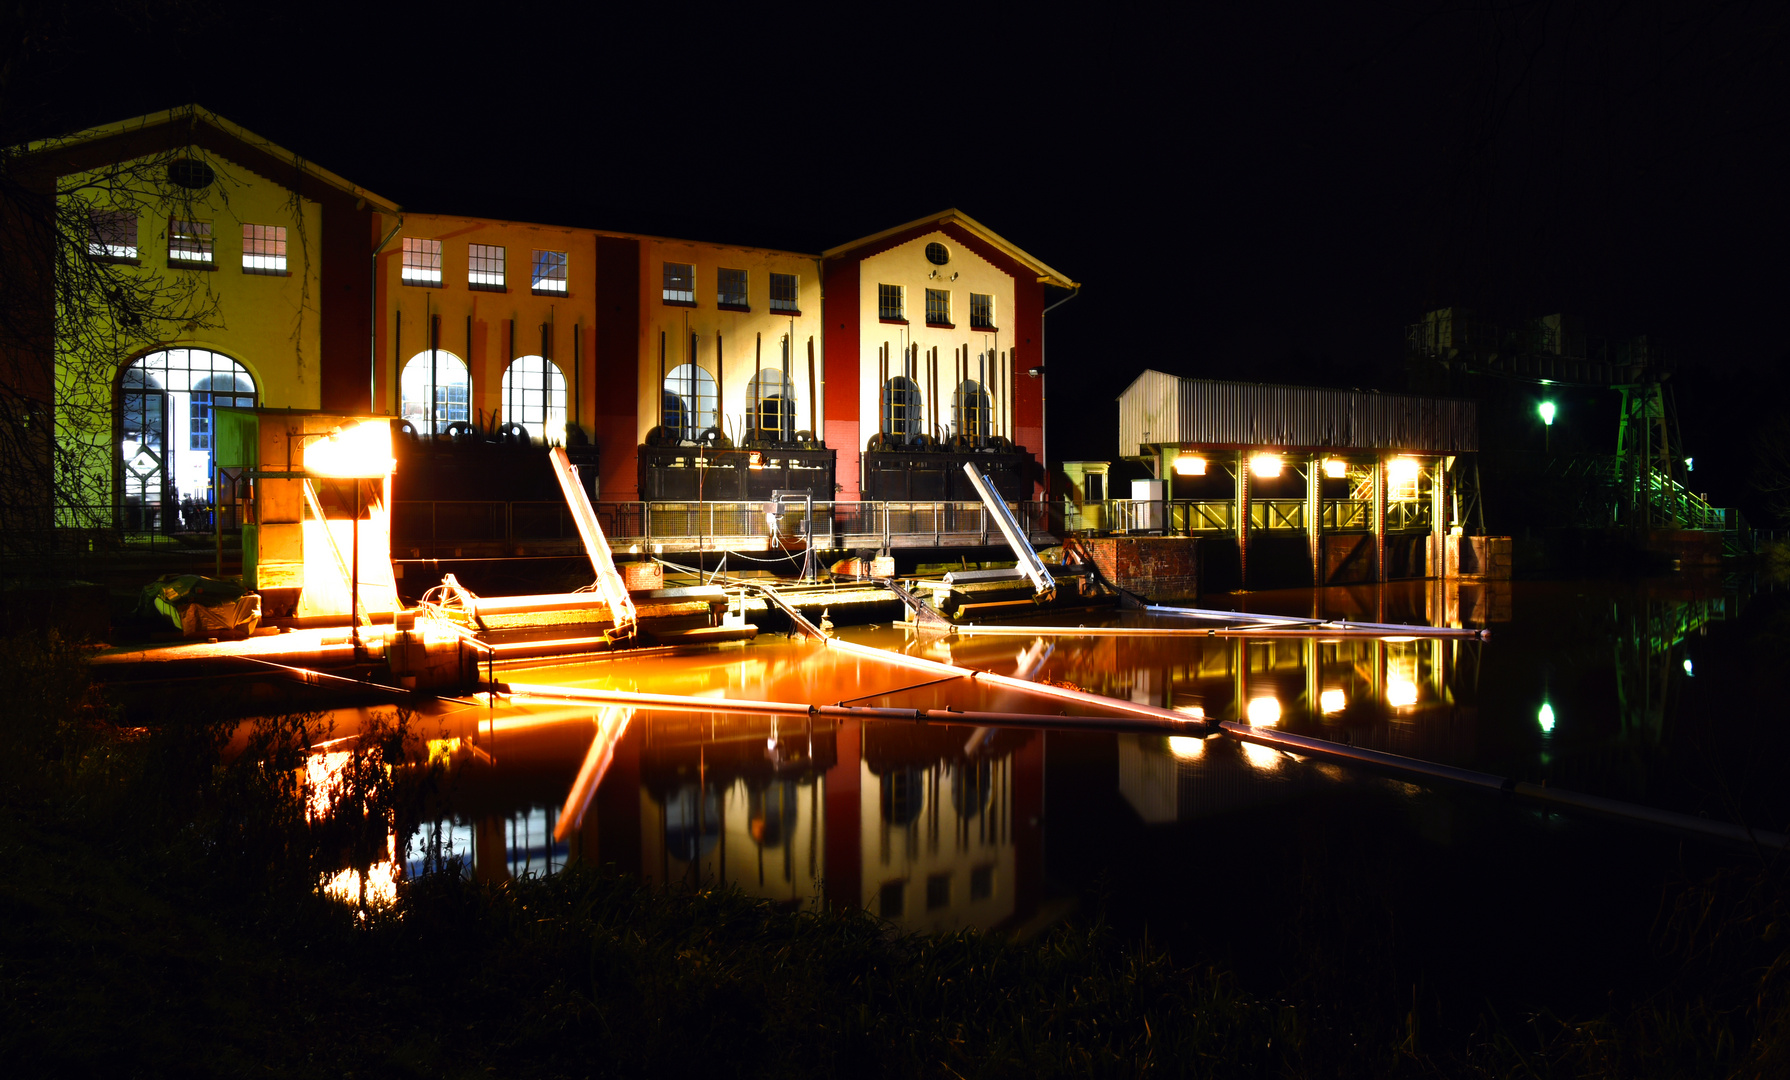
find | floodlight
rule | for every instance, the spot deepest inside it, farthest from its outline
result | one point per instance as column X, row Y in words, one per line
column 1265, row 464
column 1190, row 465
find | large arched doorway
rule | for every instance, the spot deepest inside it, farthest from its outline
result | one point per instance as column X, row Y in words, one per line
column 167, row 432
column 534, row 396
column 435, row 391
column 698, row 404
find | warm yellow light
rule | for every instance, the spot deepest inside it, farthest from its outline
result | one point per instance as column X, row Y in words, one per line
column 1401, row 470
column 1265, row 464
column 1332, row 701
column 1264, row 712
column 1401, row 692
column 1190, row 465
column 1194, row 712
column 354, row 450
column 1336, row 468
column 1186, row 747
column 1265, row 758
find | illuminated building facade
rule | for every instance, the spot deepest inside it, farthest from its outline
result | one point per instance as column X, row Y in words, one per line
column 300, row 290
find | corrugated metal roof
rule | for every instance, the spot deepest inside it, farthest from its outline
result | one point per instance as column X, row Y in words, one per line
column 1159, row 408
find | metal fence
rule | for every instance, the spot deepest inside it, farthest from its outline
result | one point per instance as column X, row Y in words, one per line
column 1215, row 516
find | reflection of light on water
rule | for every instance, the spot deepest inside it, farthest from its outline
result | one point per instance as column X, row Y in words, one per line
column 323, row 779
column 1186, row 747
column 1545, row 718
column 1401, row 692
column 382, row 879
column 1332, row 701
column 1265, row 758
column 1264, row 712
column 1194, row 711
column 441, row 751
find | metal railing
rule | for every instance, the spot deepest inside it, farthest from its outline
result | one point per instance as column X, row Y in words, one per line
column 426, row 527
column 1210, row 516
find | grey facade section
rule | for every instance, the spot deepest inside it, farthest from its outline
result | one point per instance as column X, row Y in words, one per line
column 1159, row 409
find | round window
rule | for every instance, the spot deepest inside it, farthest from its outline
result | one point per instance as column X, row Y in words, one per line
column 937, row 254
column 190, row 174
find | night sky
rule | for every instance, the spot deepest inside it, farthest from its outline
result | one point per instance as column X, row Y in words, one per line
column 1268, row 194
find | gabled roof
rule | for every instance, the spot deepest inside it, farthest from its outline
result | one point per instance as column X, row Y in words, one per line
column 193, row 117
column 975, row 228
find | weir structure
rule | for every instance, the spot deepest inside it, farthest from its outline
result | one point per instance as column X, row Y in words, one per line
column 1373, row 481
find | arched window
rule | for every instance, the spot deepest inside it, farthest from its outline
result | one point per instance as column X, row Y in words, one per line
column 695, row 390
column 534, row 395
column 970, row 407
column 673, row 417
column 773, row 395
column 434, row 394
column 167, row 433
column 901, row 407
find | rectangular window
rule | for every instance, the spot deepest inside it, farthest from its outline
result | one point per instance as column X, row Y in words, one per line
column 550, row 273
column 484, row 267
column 680, row 283
column 730, row 288
column 783, row 294
column 938, row 307
column 112, row 234
column 422, row 262
column 981, row 312
column 888, row 301
column 189, row 242
column 264, row 250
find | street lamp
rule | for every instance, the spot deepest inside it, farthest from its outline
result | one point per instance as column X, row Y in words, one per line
column 354, row 451
column 1546, row 409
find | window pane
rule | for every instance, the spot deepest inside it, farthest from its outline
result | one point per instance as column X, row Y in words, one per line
column 783, row 292
column 434, row 396
column 189, row 241
column 981, row 311
column 938, row 306
column 730, row 287
column 889, row 301
column 680, row 283
column 112, row 234
column 422, row 262
column 484, row 267
column 534, row 395
column 550, row 272
column 264, row 249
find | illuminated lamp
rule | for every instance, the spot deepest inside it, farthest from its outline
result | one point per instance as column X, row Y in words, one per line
column 1545, row 717
column 1336, row 468
column 1401, row 470
column 1546, row 409
column 755, row 460
column 1263, row 712
column 1332, row 701
column 1190, row 465
column 1265, row 465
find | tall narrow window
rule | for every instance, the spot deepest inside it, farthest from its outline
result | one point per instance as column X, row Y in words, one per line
column 697, row 407
column 112, row 234
column 730, row 288
column 484, row 267
column 971, row 406
column 901, row 407
column 981, row 312
column 783, row 294
column 264, row 250
column 888, row 302
column 534, row 395
column 422, row 262
column 550, row 273
column 938, row 307
column 680, row 283
column 434, row 390
column 189, row 242
column 773, row 396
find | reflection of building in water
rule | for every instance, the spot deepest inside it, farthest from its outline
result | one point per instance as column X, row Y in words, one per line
column 734, row 799
column 1168, row 779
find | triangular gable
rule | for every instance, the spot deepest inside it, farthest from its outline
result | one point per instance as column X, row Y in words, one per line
column 968, row 231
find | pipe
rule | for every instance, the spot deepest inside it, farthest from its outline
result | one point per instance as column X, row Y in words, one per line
column 1043, row 388
column 1313, row 629
column 373, row 320
column 812, row 393
column 1393, row 629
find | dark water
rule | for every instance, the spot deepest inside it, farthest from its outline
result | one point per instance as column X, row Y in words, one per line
column 1666, row 693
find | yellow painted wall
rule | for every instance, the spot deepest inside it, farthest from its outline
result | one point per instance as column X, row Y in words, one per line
column 492, row 313
column 740, row 330
column 907, row 265
column 268, row 324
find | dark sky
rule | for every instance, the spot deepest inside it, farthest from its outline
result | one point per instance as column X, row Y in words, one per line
column 1268, row 194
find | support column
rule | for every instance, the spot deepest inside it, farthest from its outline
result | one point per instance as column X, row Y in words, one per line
column 1439, row 519
column 1379, row 515
column 1314, row 517
column 1242, row 523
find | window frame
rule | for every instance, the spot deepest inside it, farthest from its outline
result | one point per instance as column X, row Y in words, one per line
column 103, row 228
column 271, row 246
column 891, row 302
column 793, row 304
column 479, row 261
column 983, row 320
column 722, row 296
column 682, row 297
column 545, row 257
column 203, row 255
column 938, row 309
column 420, row 270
